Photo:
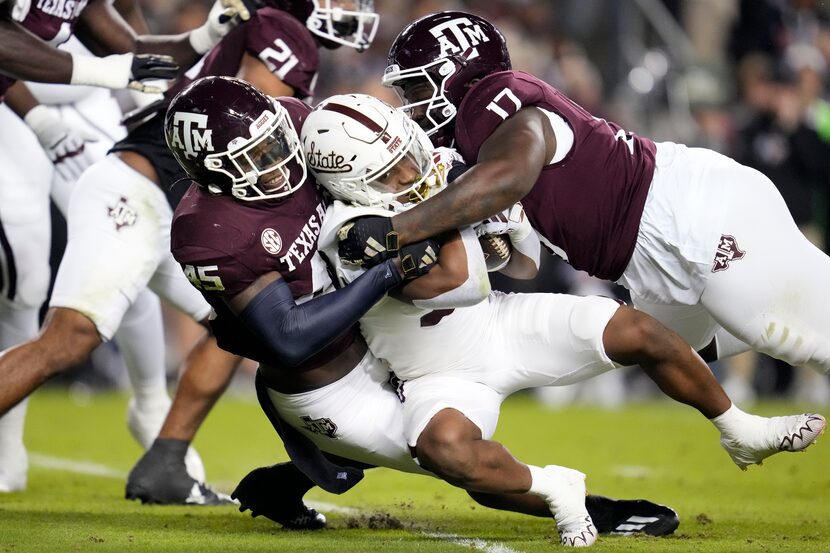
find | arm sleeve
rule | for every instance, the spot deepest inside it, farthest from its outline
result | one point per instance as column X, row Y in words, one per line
column 477, row 286
column 296, row 332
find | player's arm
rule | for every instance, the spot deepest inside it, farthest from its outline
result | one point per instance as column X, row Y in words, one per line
column 459, row 279
column 257, row 73
column 296, row 332
column 104, row 31
column 26, row 57
column 508, row 166
column 525, row 247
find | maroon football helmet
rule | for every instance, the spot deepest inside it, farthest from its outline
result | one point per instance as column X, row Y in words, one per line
column 335, row 23
column 233, row 139
column 434, row 59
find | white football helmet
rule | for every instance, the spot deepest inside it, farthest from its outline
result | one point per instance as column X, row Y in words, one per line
column 348, row 22
column 364, row 151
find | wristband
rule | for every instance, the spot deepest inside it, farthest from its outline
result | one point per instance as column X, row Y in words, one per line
column 109, row 72
column 39, row 118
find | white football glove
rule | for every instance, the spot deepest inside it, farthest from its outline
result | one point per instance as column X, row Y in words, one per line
column 511, row 221
column 516, row 225
column 119, row 71
column 224, row 15
column 62, row 142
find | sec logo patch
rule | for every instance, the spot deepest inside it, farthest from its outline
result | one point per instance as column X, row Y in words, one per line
column 271, row 241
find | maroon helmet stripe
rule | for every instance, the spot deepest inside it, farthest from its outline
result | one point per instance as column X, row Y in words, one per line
column 356, row 115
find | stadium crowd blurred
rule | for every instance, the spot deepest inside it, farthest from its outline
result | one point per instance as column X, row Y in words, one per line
column 748, row 78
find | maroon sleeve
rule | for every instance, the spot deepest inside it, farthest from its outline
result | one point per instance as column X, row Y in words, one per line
column 488, row 104
column 286, row 47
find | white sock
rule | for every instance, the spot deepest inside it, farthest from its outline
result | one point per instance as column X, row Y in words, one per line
column 539, row 483
column 140, row 339
column 731, row 420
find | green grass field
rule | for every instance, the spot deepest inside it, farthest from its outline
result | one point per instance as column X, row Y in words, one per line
column 660, row 451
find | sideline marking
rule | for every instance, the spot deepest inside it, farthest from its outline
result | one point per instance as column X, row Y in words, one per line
column 42, row 460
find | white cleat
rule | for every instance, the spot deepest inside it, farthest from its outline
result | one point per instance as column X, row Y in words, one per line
column 576, row 529
column 768, row 436
column 145, row 425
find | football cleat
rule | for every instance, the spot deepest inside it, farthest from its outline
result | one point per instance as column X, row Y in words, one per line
column 631, row 516
column 160, row 477
column 768, row 436
column 265, row 491
column 145, row 424
column 567, row 503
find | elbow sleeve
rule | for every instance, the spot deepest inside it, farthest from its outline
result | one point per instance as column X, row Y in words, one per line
column 296, row 332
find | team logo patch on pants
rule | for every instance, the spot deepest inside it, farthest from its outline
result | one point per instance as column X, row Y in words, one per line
column 122, row 214
column 727, row 251
column 322, row 426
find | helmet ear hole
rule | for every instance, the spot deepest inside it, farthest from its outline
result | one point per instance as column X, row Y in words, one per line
column 446, row 68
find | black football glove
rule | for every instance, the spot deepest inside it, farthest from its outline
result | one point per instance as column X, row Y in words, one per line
column 368, row 241
column 160, row 477
column 151, row 66
column 419, row 258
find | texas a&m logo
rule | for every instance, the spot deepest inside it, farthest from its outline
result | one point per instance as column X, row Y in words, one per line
column 320, row 426
column 727, row 251
column 122, row 214
column 190, row 133
column 458, row 35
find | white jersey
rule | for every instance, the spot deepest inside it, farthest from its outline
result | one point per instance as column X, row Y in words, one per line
column 413, row 340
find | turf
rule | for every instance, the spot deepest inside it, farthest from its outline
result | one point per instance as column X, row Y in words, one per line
column 658, row 450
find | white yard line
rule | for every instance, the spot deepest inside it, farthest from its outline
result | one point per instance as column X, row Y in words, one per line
column 41, row 460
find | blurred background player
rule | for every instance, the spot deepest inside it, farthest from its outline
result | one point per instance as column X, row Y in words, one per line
column 67, row 138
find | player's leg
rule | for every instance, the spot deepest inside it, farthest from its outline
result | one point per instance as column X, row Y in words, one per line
column 140, row 340
column 159, row 476
column 17, row 324
column 449, row 419
column 632, row 337
column 24, row 268
column 768, row 282
column 618, row 516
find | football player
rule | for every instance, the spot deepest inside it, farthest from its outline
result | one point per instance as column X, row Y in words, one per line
column 668, row 222
column 66, row 139
column 246, row 231
column 484, row 346
column 277, row 51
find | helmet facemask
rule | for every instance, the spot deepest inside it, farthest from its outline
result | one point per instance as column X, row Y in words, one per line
column 381, row 184
column 350, row 23
column 258, row 165
column 423, row 90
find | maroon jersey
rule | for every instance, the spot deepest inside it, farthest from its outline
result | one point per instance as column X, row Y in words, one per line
column 589, row 204
column 50, row 20
column 224, row 245
column 278, row 39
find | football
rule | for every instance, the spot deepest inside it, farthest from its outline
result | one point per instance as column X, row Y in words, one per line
column 497, row 249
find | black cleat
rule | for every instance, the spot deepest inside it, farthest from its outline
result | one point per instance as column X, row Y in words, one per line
column 631, row 516
column 263, row 491
column 160, row 477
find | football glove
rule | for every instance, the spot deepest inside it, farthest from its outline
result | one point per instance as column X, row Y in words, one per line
column 368, row 241
column 512, row 221
column 150, row 66
column 122, row 71
column 62, row 142
column 224, row 15
column 419, row 258
column 160, row 476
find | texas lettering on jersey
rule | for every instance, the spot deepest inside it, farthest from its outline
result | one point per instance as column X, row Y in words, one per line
column 306, row 241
